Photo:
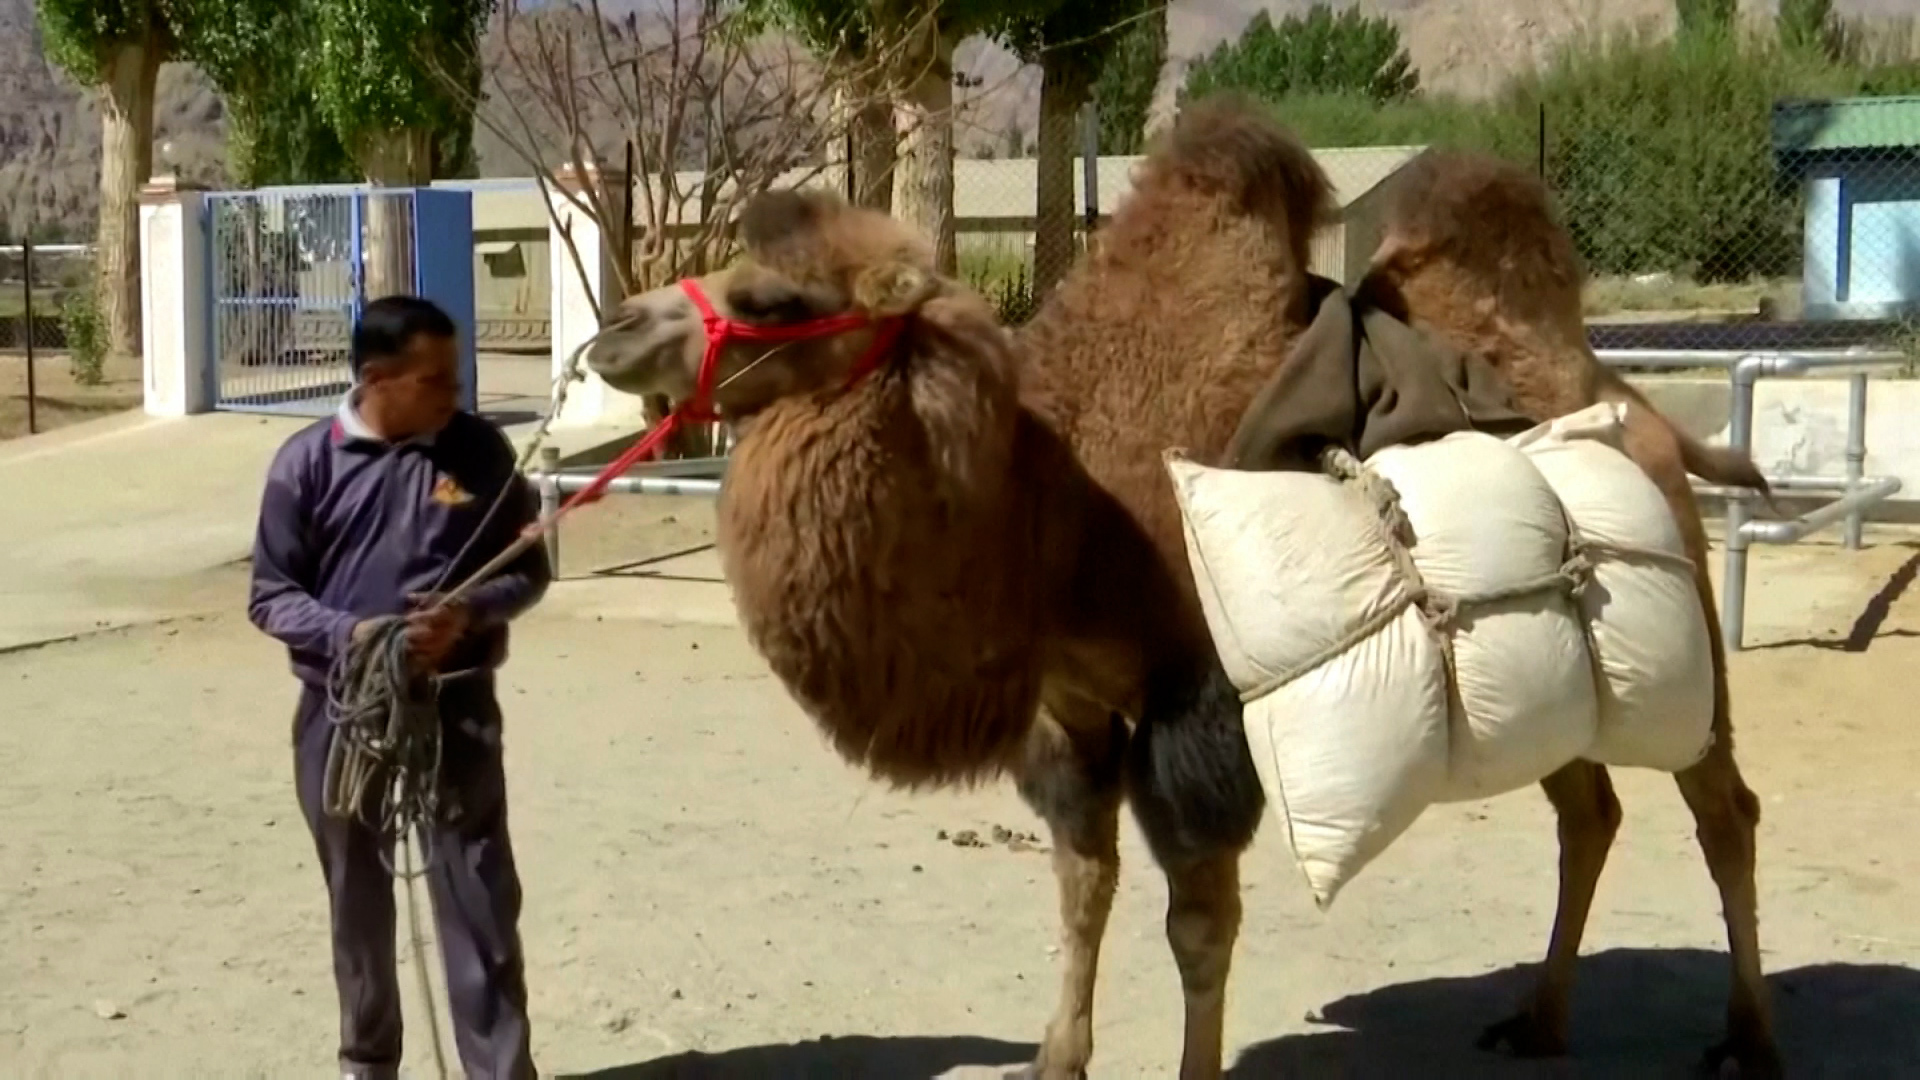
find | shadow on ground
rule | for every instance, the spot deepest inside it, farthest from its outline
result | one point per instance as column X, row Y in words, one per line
column 1639, row 1013
column 855, row 1058
column 1873, row 617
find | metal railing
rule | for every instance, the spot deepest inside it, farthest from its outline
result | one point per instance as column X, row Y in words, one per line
column 686, row 476
column 1857, row 491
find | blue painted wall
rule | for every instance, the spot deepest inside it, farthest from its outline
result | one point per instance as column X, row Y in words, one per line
column 1862, row 241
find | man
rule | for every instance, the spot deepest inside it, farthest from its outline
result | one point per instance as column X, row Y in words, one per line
column 362, row 515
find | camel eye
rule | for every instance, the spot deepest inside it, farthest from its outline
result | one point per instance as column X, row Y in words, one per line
column 771, row 306
column 758, row 295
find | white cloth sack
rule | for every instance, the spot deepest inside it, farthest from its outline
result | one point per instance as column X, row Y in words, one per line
column 1509, row 555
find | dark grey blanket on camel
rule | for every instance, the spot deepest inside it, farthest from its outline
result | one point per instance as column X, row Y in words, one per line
column 1362, row 380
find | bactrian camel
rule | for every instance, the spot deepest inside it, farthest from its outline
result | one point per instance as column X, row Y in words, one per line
column 958, row 549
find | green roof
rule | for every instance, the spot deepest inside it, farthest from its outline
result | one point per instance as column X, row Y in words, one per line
column 1875, row 123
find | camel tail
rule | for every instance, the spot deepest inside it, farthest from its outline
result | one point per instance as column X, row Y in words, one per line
column 1721, row 465
column 1231, row 146
column 1715, row 464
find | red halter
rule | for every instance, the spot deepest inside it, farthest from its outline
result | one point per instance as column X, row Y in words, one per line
column 720, row 332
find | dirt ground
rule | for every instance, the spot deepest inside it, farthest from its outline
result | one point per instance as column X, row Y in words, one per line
column 59, row 399
column 710, row 893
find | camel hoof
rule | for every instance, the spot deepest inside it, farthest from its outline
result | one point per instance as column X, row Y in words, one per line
column 1523, row 1035
column 1732, row 1060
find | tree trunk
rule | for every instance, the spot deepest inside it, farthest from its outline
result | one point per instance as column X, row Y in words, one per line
column 402, row 157
column 863, row 143
column 874, row 142
column 1064, row 90
column 923, row 176
column 126, row 162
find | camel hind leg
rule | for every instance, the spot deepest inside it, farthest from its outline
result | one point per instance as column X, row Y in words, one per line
column 1589, row 817
column 1071, row 777
column 1726, row 815
column 1203, row 922
column 1197, row 797
column 1725, row 811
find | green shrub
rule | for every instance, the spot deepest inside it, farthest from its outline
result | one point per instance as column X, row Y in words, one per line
column 1320, row 51
column 86, row 334
column 1659, row 148
column 1011, row 294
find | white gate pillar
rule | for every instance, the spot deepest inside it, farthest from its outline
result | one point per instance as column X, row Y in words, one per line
column 590, row 402
column 177, row 370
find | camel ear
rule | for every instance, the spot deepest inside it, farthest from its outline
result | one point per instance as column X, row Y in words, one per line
column 777, row 215
column 1395, row 253
column 893, row 288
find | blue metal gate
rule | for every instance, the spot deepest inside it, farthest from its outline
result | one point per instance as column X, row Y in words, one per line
column 291, row 269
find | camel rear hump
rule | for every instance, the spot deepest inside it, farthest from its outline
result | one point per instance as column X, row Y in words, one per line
column 1232, row 147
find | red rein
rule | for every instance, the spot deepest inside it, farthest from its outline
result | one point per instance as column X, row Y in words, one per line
column 722, row 331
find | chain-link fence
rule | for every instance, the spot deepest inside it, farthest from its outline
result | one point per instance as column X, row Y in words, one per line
column 1003, row 253
column 44, row 305
column 1807, row 240
column 1798, row 234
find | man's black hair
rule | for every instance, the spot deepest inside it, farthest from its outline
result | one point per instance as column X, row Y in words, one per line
column 388, row 324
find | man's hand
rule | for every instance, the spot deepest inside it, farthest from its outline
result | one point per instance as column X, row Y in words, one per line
column 433, row 631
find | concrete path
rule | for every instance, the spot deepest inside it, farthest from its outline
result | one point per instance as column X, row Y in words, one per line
column 124, row 521
column 113, row 523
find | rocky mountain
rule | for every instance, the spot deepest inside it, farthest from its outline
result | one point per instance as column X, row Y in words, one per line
column 49, row 135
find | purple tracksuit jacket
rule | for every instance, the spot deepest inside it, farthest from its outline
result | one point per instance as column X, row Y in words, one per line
column 350, row 525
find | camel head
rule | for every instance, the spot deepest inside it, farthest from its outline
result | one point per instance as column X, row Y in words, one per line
column 1473, row 247
column 819, row 292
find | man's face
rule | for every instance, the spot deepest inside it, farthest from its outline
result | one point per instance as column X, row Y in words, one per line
column 419, row 390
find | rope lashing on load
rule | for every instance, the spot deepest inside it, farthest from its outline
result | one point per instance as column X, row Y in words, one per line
column 1441, row 612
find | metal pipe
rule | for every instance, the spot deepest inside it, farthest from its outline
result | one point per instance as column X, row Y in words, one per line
column 33, row 388
column 1733, row 580
column 1856, row 452
column 1794, row 529
column 1726, row 358
column 1794, row 482
column 1744, row 369
column 641, row 485
column 712, row 468
column 549, row 482
column 1090, row 165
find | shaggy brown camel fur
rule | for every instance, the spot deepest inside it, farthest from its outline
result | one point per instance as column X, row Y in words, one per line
column 1474, row 253
column 965, row 565
column 969, row 561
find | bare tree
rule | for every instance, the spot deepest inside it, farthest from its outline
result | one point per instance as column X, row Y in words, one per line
column 705, row 107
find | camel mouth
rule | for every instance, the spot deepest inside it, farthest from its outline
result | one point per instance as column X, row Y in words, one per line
column 643, row 353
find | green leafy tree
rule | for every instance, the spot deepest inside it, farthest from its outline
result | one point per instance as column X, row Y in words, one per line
column 1123, row 94
column 1321, row 51
column 253, row 51
column 377, row 68
column 1072, row 43
column 116, row 47
column 389, row 77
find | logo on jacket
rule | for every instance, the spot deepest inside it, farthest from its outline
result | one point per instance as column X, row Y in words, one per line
column 448, row 493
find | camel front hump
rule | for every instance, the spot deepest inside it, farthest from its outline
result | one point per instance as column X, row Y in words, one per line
column 1446, row 621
